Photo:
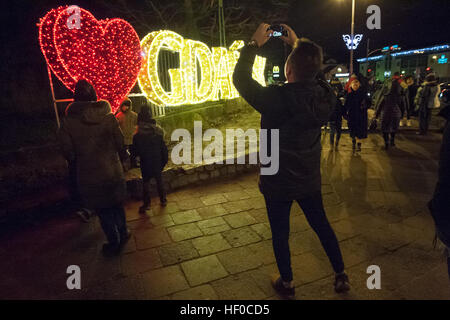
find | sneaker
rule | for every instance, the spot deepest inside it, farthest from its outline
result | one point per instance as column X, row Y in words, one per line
column 358, row 148
column 124, row 238
column 83, row 216
column 282, row 290
column 110, row 249
column 341, row 283
column 143, row 209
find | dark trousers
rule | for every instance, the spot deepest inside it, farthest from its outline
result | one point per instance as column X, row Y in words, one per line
column 448, row 267
column 424, row 119
column 133, row 159
column 146, row 189
column 335, row 131
column 386, row 137
column 113, row 223
column 75, row 197
column 279, row 212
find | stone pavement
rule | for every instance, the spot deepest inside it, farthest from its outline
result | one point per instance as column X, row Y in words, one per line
column 214, row 242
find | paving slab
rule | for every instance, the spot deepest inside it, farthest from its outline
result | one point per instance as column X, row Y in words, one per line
column 203, row 270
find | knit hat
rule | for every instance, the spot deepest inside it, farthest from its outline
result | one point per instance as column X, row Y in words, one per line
column 126, row 102
column 145, row 114
column 430, row 77
column 84, row 91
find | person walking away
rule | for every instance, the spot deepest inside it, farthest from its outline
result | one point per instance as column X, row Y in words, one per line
column 95, row 141
column 298, row 109
column 336, row 123
column 425, row 101
column 149, row 145
column 391, row 107
column 128, row 121
column 409, row 96
column 355, row 108
column 83, row 213
column 440, row 204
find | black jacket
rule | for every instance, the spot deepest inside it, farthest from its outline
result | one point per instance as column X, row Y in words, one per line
column 356, row 105
column 92, row 141
column 440, row 205
column 149, row 145
column 298, row 110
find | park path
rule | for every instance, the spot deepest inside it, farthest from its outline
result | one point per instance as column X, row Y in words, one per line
column 213, row 241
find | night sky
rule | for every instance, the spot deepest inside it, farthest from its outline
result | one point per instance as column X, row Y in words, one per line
column 409, row 23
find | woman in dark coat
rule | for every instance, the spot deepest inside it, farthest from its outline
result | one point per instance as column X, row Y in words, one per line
column 440, row 204
column 149, row 146
column 335, row 122
column 92, row 138
column 356, row 105
column 391, row 106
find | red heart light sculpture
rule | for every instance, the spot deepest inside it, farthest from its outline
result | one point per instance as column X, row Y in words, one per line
column 107, row 53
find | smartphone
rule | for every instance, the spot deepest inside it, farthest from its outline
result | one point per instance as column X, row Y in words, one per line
column 278, row 30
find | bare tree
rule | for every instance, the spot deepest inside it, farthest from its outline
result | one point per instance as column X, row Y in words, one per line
column 198, row 19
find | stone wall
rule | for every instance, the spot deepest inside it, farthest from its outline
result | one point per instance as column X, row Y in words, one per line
column 178, row 177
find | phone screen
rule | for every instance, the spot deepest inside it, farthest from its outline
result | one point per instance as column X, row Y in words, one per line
column 277, row 34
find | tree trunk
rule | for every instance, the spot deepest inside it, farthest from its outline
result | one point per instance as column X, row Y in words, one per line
column 192, row 31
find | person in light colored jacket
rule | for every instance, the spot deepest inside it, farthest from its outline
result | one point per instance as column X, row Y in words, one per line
column 128, row 122
column 425, row 102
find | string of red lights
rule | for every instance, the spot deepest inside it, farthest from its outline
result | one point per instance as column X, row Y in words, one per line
column 107, row 53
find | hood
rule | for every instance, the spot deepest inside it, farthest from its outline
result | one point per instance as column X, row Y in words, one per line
column 75, row 109
column 314, row 97
column 150, row 128
column 430, row 83
column 445, row 112
column 91, row 112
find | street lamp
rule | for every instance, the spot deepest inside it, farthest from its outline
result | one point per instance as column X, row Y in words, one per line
column 352, row 35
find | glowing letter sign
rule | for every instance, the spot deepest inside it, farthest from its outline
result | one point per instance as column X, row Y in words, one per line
column 214, row 67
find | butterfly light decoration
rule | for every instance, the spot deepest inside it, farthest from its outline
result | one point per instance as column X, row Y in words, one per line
column 352, row 43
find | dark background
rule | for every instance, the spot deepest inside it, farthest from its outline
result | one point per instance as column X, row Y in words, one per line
column 24, row 82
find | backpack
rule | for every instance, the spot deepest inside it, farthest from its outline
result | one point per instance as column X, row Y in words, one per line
column 422, row 96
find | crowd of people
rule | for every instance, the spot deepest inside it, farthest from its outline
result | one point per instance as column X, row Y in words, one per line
column 391, row 101
column 100, row 147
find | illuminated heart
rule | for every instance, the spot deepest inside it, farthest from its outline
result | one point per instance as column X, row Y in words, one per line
column 107, row 53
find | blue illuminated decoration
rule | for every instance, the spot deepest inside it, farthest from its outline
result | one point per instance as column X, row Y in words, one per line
column 395, row 47
column 374, row 58
column 443, row 59
column 408, row 53
column 352, row 43
column 421, row 51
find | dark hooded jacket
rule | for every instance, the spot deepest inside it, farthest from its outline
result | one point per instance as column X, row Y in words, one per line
column 298, row 110
column 355, row 111
column 440, row 205
column 149, row 145
column 90, row 136
column 391, row 105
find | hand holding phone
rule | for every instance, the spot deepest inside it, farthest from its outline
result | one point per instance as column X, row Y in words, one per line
column 278, row 31
column 291, row 37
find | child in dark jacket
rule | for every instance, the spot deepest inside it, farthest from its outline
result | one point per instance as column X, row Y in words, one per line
column 149, row 145
column 336, row 123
